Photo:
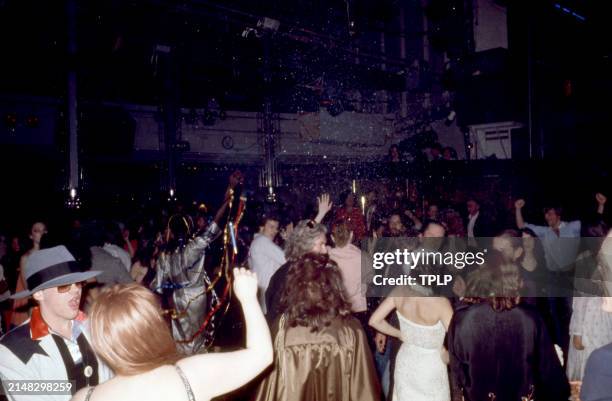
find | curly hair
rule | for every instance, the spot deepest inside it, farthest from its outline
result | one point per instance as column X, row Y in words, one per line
column 497, row 283
column 314, row 296
column 302, row 239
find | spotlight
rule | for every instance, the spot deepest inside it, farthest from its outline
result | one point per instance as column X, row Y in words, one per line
column 172, row 195
column 73, row 201
column 271, row 196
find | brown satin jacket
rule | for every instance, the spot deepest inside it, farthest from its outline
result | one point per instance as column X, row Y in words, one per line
column 333, row 364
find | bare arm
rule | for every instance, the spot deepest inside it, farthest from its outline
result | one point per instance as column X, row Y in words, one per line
column 211, row 375
column 601, row 202
column 446, row 313
column 415, row 220
column 128, row 244
column 518, row 213
column 378, row 318
column 234, row 180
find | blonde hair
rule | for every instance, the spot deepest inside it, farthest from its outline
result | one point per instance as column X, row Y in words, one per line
column 302, row 239
column 129, row 332
column 342, row 233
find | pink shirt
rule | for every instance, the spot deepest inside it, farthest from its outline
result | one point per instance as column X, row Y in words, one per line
column 348, row 259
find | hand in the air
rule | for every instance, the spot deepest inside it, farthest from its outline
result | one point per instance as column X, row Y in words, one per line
column 324, row 204
column 245, row 284
column 519, row 204
column 601, row 198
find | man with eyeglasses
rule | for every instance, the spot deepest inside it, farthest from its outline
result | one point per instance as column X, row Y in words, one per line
column 49, row 357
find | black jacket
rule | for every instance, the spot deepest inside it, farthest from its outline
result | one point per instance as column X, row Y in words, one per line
column 508, row 353
column 275, row 291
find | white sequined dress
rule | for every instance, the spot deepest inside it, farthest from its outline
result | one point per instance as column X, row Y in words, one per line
column 420, row 373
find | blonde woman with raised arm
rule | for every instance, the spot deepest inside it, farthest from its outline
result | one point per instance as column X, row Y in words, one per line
column 130, row 334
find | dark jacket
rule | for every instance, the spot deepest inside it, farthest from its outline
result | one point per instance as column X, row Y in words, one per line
column 275, row 291
column 507, row 353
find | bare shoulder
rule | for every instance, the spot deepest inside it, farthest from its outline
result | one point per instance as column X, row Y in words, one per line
column 24, row 258
column 162, row 383
column 442, row 302
column 439, row 306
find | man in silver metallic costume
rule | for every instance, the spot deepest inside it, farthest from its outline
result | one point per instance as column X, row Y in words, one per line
column 180, row 270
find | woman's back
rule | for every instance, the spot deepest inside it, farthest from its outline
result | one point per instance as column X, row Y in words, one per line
column 163, row 384
column 426, row 311
column 143, row 354
column 333, row 363
column 420, row 372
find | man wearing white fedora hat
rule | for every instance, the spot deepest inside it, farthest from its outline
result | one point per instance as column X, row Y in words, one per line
column 49, row 357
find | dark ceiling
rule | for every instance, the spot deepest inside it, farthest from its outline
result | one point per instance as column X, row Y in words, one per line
column 210, row 56
column 336, row 43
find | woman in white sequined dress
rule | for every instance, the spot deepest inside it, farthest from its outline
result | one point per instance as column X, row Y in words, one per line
column 420, row 367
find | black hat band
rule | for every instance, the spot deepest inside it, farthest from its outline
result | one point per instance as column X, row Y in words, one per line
column 51, row 272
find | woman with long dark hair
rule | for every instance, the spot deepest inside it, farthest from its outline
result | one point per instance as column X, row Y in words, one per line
column 321, row 351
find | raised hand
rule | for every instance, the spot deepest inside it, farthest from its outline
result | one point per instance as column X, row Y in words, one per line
column 245, row 284
column 324, row 204
column 601, row 198
column 519, row 204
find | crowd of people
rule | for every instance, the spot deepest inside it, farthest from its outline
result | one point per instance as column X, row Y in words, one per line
column 534, row 322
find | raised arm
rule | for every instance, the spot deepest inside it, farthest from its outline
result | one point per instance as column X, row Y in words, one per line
column 194, row 249
column 324, row 206
column 234, row 180
column 378, row 319
column 415, row 220
column 211, row 375
column 601, row 202
column 518, row 213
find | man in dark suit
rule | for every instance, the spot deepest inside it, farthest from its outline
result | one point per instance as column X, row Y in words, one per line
column 478, row 225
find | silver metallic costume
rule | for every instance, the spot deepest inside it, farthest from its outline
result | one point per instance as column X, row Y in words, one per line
column 183, row 272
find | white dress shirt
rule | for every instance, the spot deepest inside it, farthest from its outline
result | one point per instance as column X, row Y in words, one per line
column 265, row 257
